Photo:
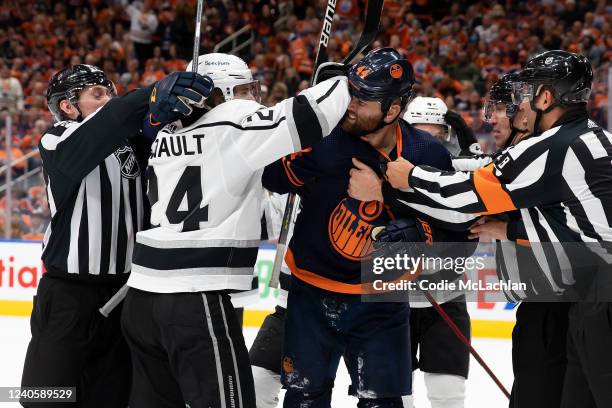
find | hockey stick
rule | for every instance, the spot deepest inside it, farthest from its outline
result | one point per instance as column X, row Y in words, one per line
column 114, row 301
column 293, row 201
column 465, row 341
column 370, row 30
column 122, row 292
column 196, row 39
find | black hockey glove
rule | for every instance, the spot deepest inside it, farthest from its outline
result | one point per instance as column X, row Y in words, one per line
column 402, row 236
column 402, row 230
column 329, row 70
column 173, row 96
column 467, row 141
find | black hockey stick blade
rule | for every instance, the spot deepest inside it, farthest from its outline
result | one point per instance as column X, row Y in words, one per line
column 370, row 29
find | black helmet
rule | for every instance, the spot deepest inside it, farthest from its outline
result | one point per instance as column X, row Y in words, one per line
column 70, row 81
column 382, row 75
column 568, row 75
column 501, row 92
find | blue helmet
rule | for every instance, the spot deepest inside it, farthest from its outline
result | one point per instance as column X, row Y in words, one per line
column 382, row 75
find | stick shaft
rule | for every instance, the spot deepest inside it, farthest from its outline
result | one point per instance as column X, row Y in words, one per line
column 465, row 341
column 196, row 39
column 114, row 301
column 293, row 201
column 122, row 292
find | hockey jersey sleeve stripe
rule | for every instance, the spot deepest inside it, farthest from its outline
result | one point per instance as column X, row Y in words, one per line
column 495, row 199
column 329, row 101
column 306, row 122
column 431, row 174
column 235, row 126
column 468, row 195
column 328, row 93
column 427, row 181
column 428, row 208
column 458, row 221
column 470, row 163
column 293, row 179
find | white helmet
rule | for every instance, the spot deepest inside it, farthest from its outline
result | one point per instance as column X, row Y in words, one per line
column 427, row 110
column 226, row 71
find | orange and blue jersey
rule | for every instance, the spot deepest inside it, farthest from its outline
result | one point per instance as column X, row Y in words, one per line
column 332, row 231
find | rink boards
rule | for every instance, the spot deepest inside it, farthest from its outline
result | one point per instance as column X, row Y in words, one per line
column 21, row 268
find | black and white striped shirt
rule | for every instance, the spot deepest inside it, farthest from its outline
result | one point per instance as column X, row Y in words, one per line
column 95, row 191
column 561, row 180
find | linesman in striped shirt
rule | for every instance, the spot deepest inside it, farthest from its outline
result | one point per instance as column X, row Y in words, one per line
column 539, row 335
column 561, row 180
column 93, row 159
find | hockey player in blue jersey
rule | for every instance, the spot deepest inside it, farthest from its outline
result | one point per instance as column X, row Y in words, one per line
column 326, row 318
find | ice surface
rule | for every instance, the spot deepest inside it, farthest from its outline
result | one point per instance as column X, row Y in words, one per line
column 481, row 390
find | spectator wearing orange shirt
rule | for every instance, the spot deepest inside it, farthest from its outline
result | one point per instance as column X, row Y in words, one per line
column 172, row 62
column 154, row 71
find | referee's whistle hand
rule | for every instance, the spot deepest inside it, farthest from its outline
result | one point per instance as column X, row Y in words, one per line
column 398, row 172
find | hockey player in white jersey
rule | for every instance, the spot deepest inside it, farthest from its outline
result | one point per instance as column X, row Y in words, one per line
column 428, row 114
column 442, row 357
column 205, row 191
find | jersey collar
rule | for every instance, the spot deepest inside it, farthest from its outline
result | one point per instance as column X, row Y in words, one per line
column 398, row 144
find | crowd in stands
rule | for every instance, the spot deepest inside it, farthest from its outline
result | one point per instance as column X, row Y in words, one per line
column 458, row 49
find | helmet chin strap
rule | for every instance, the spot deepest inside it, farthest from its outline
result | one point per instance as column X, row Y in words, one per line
column 80, row 117
column 74, row 101
column 515, row 130
column 384, row 107
column 539, row 114
column 509, row 141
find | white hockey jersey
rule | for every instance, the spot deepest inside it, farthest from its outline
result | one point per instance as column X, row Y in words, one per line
column 205, row 188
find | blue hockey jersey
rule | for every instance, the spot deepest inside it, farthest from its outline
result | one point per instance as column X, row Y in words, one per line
column 332, row 231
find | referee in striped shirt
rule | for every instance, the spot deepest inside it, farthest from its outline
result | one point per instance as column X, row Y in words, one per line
column 561, row 179
column 93, row 159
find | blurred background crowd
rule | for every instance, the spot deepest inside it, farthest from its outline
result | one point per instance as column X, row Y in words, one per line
column 458, row 49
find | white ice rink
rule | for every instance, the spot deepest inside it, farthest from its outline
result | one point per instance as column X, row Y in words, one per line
column 481, row 391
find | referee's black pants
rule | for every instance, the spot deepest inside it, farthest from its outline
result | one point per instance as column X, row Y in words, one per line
column 73, row 345
column 539, row 355
column 588, row 381
column 187, row 350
